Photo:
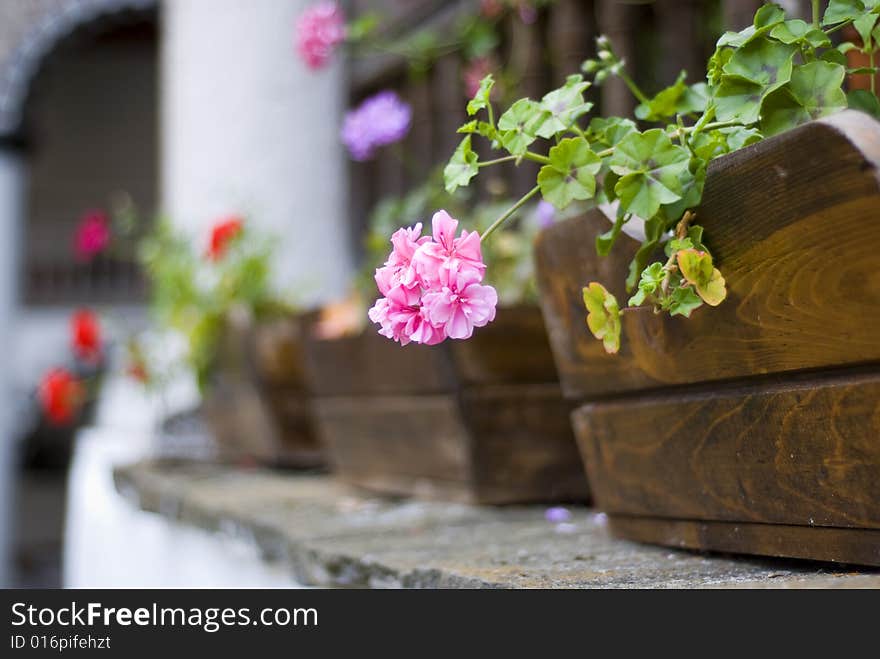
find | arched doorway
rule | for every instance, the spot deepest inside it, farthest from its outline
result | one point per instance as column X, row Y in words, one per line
column 78, row 123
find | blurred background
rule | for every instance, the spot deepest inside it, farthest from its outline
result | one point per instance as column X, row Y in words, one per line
column 197, row 108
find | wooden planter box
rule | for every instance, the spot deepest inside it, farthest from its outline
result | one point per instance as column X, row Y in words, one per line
column 753, row 427
column 477, row 421
column 258, row 403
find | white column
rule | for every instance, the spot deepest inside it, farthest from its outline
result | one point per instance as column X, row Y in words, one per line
column 11, row 200
column 246, row 127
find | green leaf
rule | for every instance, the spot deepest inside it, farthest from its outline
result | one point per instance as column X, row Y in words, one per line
column 764, row 62
column 653, row 232
column 864, row 25
column 834, row 56
column 683, row 301
column 520, row 125
column 603, row 316
column 571, row 173
column 715, row 67
column 363, row 26
column 564, row 106
column 649, row 283
column 462, row 167
column 768, row 16
column 650, row 167
column 738, row 99
column 605, row 241
column 609, row 131
column 740, row 136
column 839, row 11
column 798, row 31
column 678, row 98
column 481, row 98
column 483, row 128
column 865, row 101
column 814, row 91
column 697, row 269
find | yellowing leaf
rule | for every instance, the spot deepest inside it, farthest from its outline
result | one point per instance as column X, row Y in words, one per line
column 603, row 317
column 697, row 269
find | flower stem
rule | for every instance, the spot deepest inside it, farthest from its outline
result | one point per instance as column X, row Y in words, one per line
column 633, row 87
column 510, row 211
column 815, row 13
column 536, row 157
column 496, row 161
column 873, row 73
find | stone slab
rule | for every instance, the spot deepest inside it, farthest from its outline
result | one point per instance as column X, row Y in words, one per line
column 332, row 536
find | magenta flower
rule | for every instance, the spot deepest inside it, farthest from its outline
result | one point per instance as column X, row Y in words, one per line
column 431, row 286
column 458, row 253
column 380, row 120
column 319, row 30
column 461, row 303
column 92, row 235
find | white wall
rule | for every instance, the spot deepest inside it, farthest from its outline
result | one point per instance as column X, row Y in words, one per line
column 11, row 186
column 246, row 127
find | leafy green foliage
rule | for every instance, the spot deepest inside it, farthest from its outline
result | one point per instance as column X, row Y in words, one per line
column 571, row 173
column 562, row 107
column 194, row 296
column 521, row 124
column 462, row 167
column 813, row 92
column 650, row 167
column 481, row 98
column 772, row 76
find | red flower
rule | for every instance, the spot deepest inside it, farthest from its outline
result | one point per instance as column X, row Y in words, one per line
column 92, row 235
column 85, row 336
column 223, row 233
column 61, row 396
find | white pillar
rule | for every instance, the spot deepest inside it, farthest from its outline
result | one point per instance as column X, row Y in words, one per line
column 11, row 200
column 246, row 127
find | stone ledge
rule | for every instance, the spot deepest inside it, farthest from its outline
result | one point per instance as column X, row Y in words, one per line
column 332, row 536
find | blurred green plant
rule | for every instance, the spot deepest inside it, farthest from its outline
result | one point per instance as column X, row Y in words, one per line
column 193, row 293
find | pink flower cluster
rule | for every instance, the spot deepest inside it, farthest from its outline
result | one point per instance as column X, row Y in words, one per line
column 431, row 285
column 318, row 31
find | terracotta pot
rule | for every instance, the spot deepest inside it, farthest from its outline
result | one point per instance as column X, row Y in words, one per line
column 479, row 421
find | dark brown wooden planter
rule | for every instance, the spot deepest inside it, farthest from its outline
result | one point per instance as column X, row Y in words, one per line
column 258, row 404
column 753, row 427
column 478, row 421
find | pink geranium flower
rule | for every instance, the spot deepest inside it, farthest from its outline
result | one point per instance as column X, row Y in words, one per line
column 461, row 303
column 431, row 287
column 319, row 30
column 398, row 268
column 446, row 250
column 92, row 235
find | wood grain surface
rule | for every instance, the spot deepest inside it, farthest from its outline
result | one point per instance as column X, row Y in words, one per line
column 792, row 223
column 792, row 452
column 482, row 421
column 837, row 545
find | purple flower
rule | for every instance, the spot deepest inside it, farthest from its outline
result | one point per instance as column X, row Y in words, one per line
column 557, row 514
column 545, row 214
column 380, row 120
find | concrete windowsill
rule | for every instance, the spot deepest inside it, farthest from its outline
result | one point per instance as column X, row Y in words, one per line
column 329, row 535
